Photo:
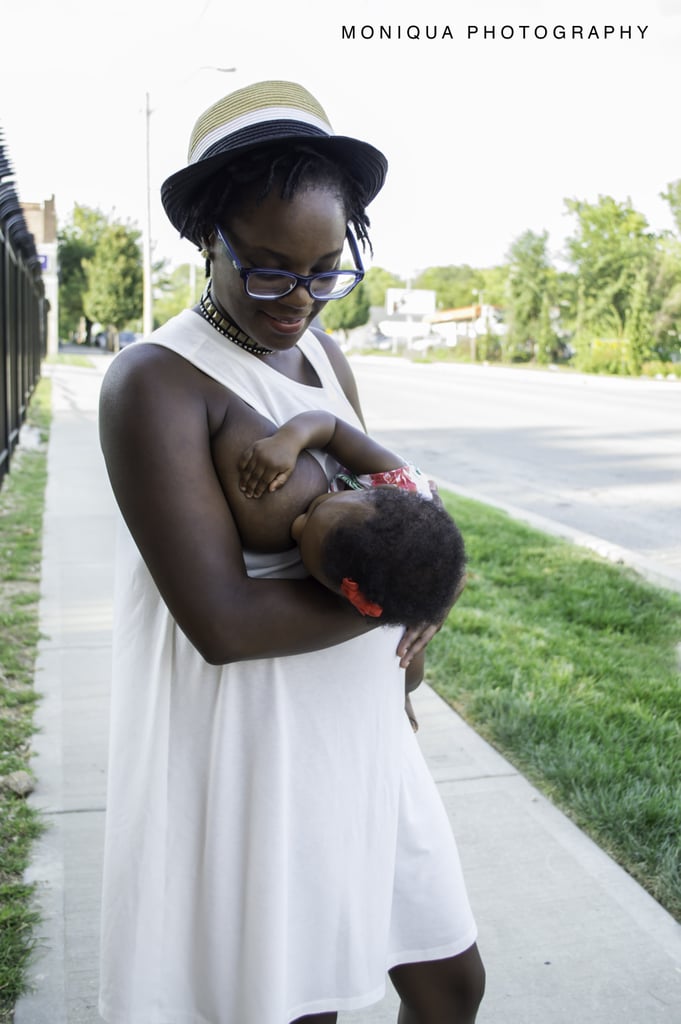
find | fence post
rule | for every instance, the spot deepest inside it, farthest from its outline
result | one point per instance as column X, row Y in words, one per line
column 22, row 315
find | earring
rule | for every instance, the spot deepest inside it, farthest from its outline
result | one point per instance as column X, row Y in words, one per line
column 204, row 254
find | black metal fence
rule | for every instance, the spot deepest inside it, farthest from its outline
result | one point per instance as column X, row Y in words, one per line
column 23, row 313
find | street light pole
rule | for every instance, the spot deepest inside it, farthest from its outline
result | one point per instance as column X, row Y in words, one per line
column 147, row 293
column 147, row 296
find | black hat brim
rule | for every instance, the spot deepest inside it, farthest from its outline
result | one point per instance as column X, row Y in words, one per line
column 362, row 162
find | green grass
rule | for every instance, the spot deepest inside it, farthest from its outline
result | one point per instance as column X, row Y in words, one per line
column 569, row 665
column 21, row 514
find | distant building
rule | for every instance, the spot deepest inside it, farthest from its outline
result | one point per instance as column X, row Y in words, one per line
column 467, row 322
column 41, row 221
column 409, row 303
column 408, row 312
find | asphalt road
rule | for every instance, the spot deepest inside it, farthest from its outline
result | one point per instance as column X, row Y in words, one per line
column 598, row 455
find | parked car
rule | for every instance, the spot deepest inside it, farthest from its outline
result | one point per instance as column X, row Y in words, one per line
column 126, row 338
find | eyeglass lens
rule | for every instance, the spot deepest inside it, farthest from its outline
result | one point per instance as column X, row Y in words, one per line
column 261, row 285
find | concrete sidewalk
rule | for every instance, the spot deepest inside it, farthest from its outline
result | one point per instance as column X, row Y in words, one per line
column 566, row 935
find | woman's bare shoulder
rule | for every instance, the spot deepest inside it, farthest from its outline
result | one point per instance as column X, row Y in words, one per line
column 145, row 363
column 154, row 377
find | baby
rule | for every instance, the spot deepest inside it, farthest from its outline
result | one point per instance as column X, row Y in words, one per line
column 376, row 536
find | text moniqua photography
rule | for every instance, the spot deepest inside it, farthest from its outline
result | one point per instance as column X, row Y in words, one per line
column 415, row 31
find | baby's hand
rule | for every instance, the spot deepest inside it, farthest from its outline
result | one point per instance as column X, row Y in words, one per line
column 266, row 466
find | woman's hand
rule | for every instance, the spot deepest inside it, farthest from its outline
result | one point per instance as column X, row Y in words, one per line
column 416, row 638
column 267, row 465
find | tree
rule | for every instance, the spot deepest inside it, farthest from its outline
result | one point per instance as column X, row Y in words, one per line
column 580, row 339
column 610, row 244
column 453, row 286
column 114, row 278
column 638, row 337
column 77, row 243
column 173, row 293
column 666, row 282
column 376, row 283
column 495, row 285
column 665, row 299
column 529, row 280
column 546, row 336
column 673, row 197
column 345, row 314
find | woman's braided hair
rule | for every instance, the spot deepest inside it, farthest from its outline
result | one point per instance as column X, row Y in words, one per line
column 288, row 166
column 407, row 555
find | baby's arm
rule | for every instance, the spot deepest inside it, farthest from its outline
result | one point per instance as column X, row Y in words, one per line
column 268, row 463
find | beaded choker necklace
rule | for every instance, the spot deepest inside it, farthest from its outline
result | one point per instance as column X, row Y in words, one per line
column 223, row 325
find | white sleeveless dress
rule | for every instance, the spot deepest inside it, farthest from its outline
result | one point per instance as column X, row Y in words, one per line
column 274, row 840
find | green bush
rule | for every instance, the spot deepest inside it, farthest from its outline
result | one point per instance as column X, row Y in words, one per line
column 604, row 355
column 489, row 349
column 658, row 368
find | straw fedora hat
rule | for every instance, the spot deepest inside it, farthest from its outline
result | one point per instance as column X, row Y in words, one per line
column 259, row 114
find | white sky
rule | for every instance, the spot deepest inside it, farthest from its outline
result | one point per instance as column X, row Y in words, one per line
column 485, row 138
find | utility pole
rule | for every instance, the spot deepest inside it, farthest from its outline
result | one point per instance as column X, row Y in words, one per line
column 148, row 294
column 147, row 297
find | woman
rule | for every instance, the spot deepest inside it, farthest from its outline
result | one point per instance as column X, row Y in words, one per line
column 274, row 840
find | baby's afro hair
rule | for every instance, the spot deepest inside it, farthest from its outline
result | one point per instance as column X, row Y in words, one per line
column 408, row 556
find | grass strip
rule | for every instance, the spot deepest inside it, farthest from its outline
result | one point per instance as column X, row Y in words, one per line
column 569, row 666
column 22, row 499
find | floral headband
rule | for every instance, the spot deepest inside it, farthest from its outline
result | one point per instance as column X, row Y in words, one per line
column 351, row 590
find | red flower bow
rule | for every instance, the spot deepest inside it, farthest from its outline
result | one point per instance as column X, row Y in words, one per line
column 351, row 590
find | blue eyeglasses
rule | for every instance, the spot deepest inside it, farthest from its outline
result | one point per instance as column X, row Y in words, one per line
column 260, row 283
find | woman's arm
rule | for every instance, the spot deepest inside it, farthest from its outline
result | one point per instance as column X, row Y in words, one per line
column 157, row 413
column 414, row 674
